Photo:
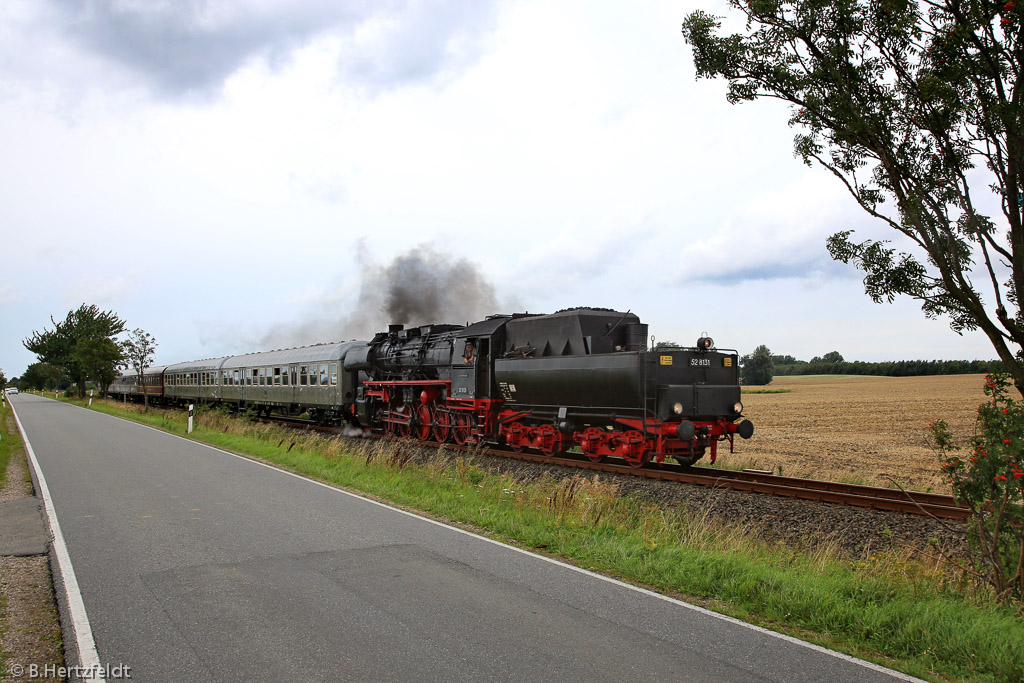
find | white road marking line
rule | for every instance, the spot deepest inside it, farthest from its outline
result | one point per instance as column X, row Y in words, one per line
column 88, row 657
column 790, row 639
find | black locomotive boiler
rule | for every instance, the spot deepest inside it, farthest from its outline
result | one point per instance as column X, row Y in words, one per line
column 580, row 377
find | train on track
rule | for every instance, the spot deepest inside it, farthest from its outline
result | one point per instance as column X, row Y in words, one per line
column 579, row 378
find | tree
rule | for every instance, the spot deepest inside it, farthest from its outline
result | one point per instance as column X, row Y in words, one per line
column 902, row 101
column 139, row 348
column 82, row 345
column 39, row 376
column 988, row 481
column 832, row 357
column 757, row 367
column 3, row 381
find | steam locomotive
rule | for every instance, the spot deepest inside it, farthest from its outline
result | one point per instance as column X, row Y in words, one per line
column 580, row 378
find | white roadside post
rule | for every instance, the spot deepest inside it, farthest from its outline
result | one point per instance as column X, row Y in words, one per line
column 190, row 407
column 90, row 397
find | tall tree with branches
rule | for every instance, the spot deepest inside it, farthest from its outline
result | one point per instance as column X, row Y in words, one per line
column 914, row 105
column 82, row 345
column 139, row 348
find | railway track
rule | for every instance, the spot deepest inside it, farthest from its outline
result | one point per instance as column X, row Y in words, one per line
column 757, row 481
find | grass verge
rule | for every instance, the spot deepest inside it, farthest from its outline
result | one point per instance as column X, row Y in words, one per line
column 10, row 441
column 902, row 611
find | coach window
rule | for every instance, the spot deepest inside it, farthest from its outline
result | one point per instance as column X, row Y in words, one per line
column 334, row 374
column 323, row 375
column 284, row 376
column 302, row 375
column 277, row 377
column 294, row 372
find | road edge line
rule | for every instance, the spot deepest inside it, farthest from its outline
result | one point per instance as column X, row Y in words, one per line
column 88, row 657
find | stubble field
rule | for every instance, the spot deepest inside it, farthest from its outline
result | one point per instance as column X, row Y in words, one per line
column 869, row 430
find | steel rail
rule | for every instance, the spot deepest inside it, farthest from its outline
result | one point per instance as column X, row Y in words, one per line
column 857, row 495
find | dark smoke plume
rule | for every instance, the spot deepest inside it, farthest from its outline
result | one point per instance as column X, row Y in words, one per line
column 418, row 287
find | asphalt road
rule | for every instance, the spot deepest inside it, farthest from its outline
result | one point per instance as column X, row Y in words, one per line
column 196, row 565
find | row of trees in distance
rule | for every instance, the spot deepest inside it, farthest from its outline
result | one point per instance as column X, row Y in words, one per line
column 761, row 366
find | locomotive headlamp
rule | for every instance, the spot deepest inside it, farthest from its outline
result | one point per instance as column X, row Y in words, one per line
column 678, row 409
column 705, row 343
column 737, row 407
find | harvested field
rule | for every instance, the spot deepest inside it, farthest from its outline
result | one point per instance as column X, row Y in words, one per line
column 857, row 429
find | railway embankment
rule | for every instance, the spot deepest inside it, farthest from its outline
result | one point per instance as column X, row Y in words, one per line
column 875, row 586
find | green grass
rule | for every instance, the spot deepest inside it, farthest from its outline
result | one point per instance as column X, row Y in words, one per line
column 10, row 442
column 898, row 610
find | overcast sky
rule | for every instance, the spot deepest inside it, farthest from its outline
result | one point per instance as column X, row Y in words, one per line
column 239, row 175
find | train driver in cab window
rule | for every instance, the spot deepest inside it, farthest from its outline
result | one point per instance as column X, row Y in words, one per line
column 470, row 354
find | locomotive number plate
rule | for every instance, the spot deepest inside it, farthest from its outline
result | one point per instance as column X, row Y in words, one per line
column 700, row 361
column 728, row 362
column 666, row 360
